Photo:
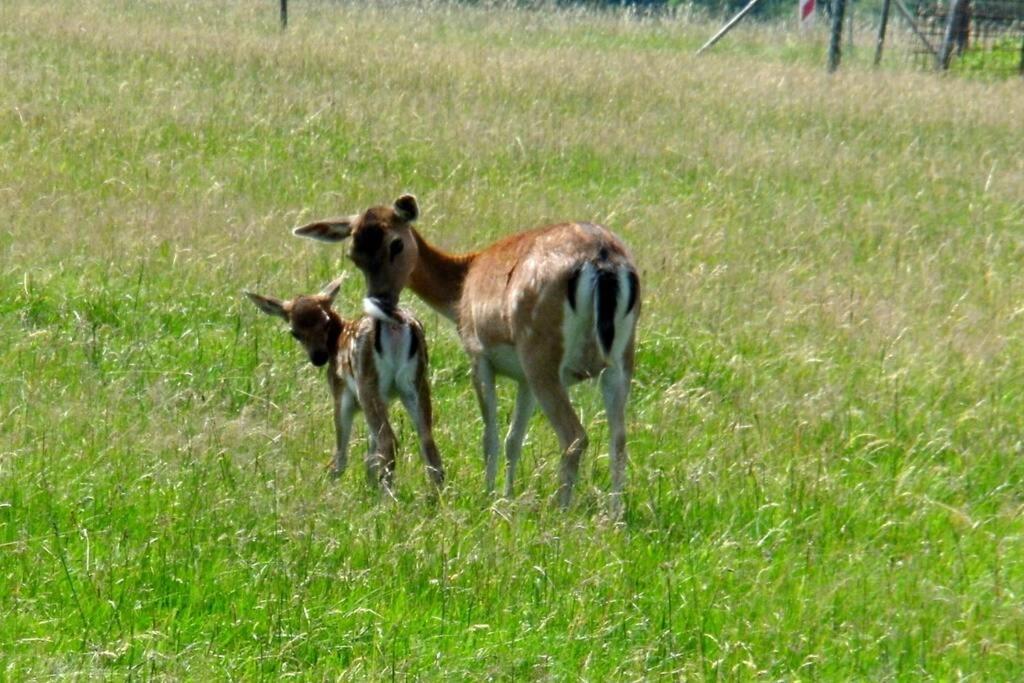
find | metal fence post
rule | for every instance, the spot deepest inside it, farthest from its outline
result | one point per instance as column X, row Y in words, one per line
column 835, row 47
column 956, row 8
column 881, row 32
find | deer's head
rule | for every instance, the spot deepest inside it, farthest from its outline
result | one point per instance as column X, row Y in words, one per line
column 382, row 246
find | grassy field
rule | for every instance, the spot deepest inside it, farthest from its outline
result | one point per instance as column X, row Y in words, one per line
column 827, row 476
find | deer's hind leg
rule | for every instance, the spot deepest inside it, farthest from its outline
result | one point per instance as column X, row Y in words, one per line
column 615, row 391
column 416, row 399
column 541, row 360
column 380, row 460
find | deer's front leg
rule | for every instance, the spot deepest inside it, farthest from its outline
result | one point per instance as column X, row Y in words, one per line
column 345, row 405
column 483, row 383
column 516, row 432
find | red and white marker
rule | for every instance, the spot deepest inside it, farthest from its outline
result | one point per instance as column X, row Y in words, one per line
column 805, row 8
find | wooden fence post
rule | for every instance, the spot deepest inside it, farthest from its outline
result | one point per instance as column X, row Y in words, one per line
column 835, row 45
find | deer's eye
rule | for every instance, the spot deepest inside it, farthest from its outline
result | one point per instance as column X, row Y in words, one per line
column 396, row 248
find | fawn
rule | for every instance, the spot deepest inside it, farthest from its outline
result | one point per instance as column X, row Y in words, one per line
column 369, row 361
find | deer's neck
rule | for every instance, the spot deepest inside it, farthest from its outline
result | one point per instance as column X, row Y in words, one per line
column 334, row 335
column 438, row 277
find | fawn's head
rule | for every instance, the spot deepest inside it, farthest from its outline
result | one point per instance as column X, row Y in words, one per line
column 383, row 246
column 311, row 319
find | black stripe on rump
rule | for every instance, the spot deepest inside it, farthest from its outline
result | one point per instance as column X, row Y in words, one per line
column 634, row 290
column 414, row 342
column 574, row 281
column 607, row 295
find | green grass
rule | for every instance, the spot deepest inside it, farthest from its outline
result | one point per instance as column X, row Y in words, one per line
column 1001, row 58
column 825, row 430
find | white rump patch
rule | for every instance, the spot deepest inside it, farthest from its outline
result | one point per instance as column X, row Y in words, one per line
column 578, row 324
column 396, row 371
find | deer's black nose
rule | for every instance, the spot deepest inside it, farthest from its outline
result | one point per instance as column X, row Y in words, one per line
column 318, row 358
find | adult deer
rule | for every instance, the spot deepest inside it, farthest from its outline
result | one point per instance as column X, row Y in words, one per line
column 547, row 307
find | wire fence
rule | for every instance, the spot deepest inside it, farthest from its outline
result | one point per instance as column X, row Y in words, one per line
column 986, row 35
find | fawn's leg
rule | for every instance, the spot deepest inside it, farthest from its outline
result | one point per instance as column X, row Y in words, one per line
column 380, row 461
column 416, row 400
column 344, row 410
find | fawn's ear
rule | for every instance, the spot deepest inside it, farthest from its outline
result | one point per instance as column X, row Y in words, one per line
column 406, row 208
column 270, row 305
column 327, row 230
column 331, row 289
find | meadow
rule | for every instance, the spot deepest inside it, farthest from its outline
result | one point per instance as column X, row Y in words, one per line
column 827, row 459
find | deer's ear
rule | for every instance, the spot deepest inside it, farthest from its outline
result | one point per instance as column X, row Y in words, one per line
column 269, row 305
column 331, row 289
column 327, row 230
column 406, row 208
